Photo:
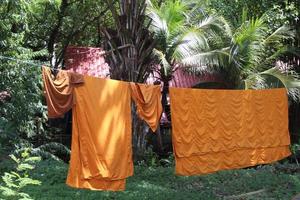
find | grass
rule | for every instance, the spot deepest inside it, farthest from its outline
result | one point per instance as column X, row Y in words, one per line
column 161, row 183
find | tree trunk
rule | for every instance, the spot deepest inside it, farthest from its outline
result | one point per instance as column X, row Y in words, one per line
column 164, row 99
column 55, row 32
column 140, row 131
column 159, row 140
column 133, row 62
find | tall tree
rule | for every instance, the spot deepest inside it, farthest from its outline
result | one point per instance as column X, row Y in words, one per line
column 252, row 54
column 54, row 25
column 129, row 45
column 183, row 36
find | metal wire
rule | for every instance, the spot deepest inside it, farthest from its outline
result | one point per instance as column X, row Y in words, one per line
column 21, row 61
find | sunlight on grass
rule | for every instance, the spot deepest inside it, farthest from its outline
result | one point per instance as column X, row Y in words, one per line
column 161, row 183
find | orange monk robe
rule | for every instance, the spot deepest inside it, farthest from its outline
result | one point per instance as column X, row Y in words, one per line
column 148, row 102
column 101, row 156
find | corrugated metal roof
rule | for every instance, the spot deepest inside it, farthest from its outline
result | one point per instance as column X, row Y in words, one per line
column 87, row 61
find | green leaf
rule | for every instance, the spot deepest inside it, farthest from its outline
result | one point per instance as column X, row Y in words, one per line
column 289, row 79
column 24, row 166
column 9, row 180
column 28, row 181
column 15, row 174
column 14, row 158
column 33, row 159
column 6, row 191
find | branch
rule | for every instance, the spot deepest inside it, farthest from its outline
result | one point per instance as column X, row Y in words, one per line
column 91, row 21
column 74, row 33
column 55, row 31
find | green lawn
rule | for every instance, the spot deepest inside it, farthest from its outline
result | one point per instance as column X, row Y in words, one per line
column 161, row 183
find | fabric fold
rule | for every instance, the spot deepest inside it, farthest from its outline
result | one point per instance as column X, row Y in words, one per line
column 214, row 126
column 235, row 159
column 101, row 149
column 101, row 156
column 59, row 90
column 148, row 102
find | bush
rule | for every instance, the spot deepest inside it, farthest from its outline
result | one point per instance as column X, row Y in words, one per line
column 16, row 180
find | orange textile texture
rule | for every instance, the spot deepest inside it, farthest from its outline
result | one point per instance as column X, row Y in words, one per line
column 148, row 102
column 59, row 90
column 101, row 157
column 227, row 129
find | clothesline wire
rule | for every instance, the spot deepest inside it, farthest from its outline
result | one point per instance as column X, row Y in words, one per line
column 24, row 61
column 103, row 53
column 21, row 61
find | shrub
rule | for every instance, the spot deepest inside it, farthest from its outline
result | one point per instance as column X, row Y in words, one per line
column 15, row 181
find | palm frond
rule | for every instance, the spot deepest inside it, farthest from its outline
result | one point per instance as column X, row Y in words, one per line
column 212, row 58
column 249, row 31
column 180, row 41
column 158, row 24
column 289, row 79
column 282, row 33
column 191, row 41
column 166, row 68
column 254, row 81
column 248, row 48
column 274, row 56
column 215, row 24
column 196, row 49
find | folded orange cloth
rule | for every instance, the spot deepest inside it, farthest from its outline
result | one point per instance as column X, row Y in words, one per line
column 148, row 102
column 59, row 90
column 226, row 129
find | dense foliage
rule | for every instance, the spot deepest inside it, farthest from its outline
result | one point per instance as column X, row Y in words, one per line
column 241, row 39
column 278, row 11
column 33, row 33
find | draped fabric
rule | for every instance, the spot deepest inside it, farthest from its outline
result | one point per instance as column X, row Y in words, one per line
column 101, row 150
column 59, row 90
column 226, row 129
column 148, row 102
column 101, row 140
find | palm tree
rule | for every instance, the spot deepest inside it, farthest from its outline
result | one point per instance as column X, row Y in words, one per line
column 251, row 56
column 179, row 37
column 129, row 56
